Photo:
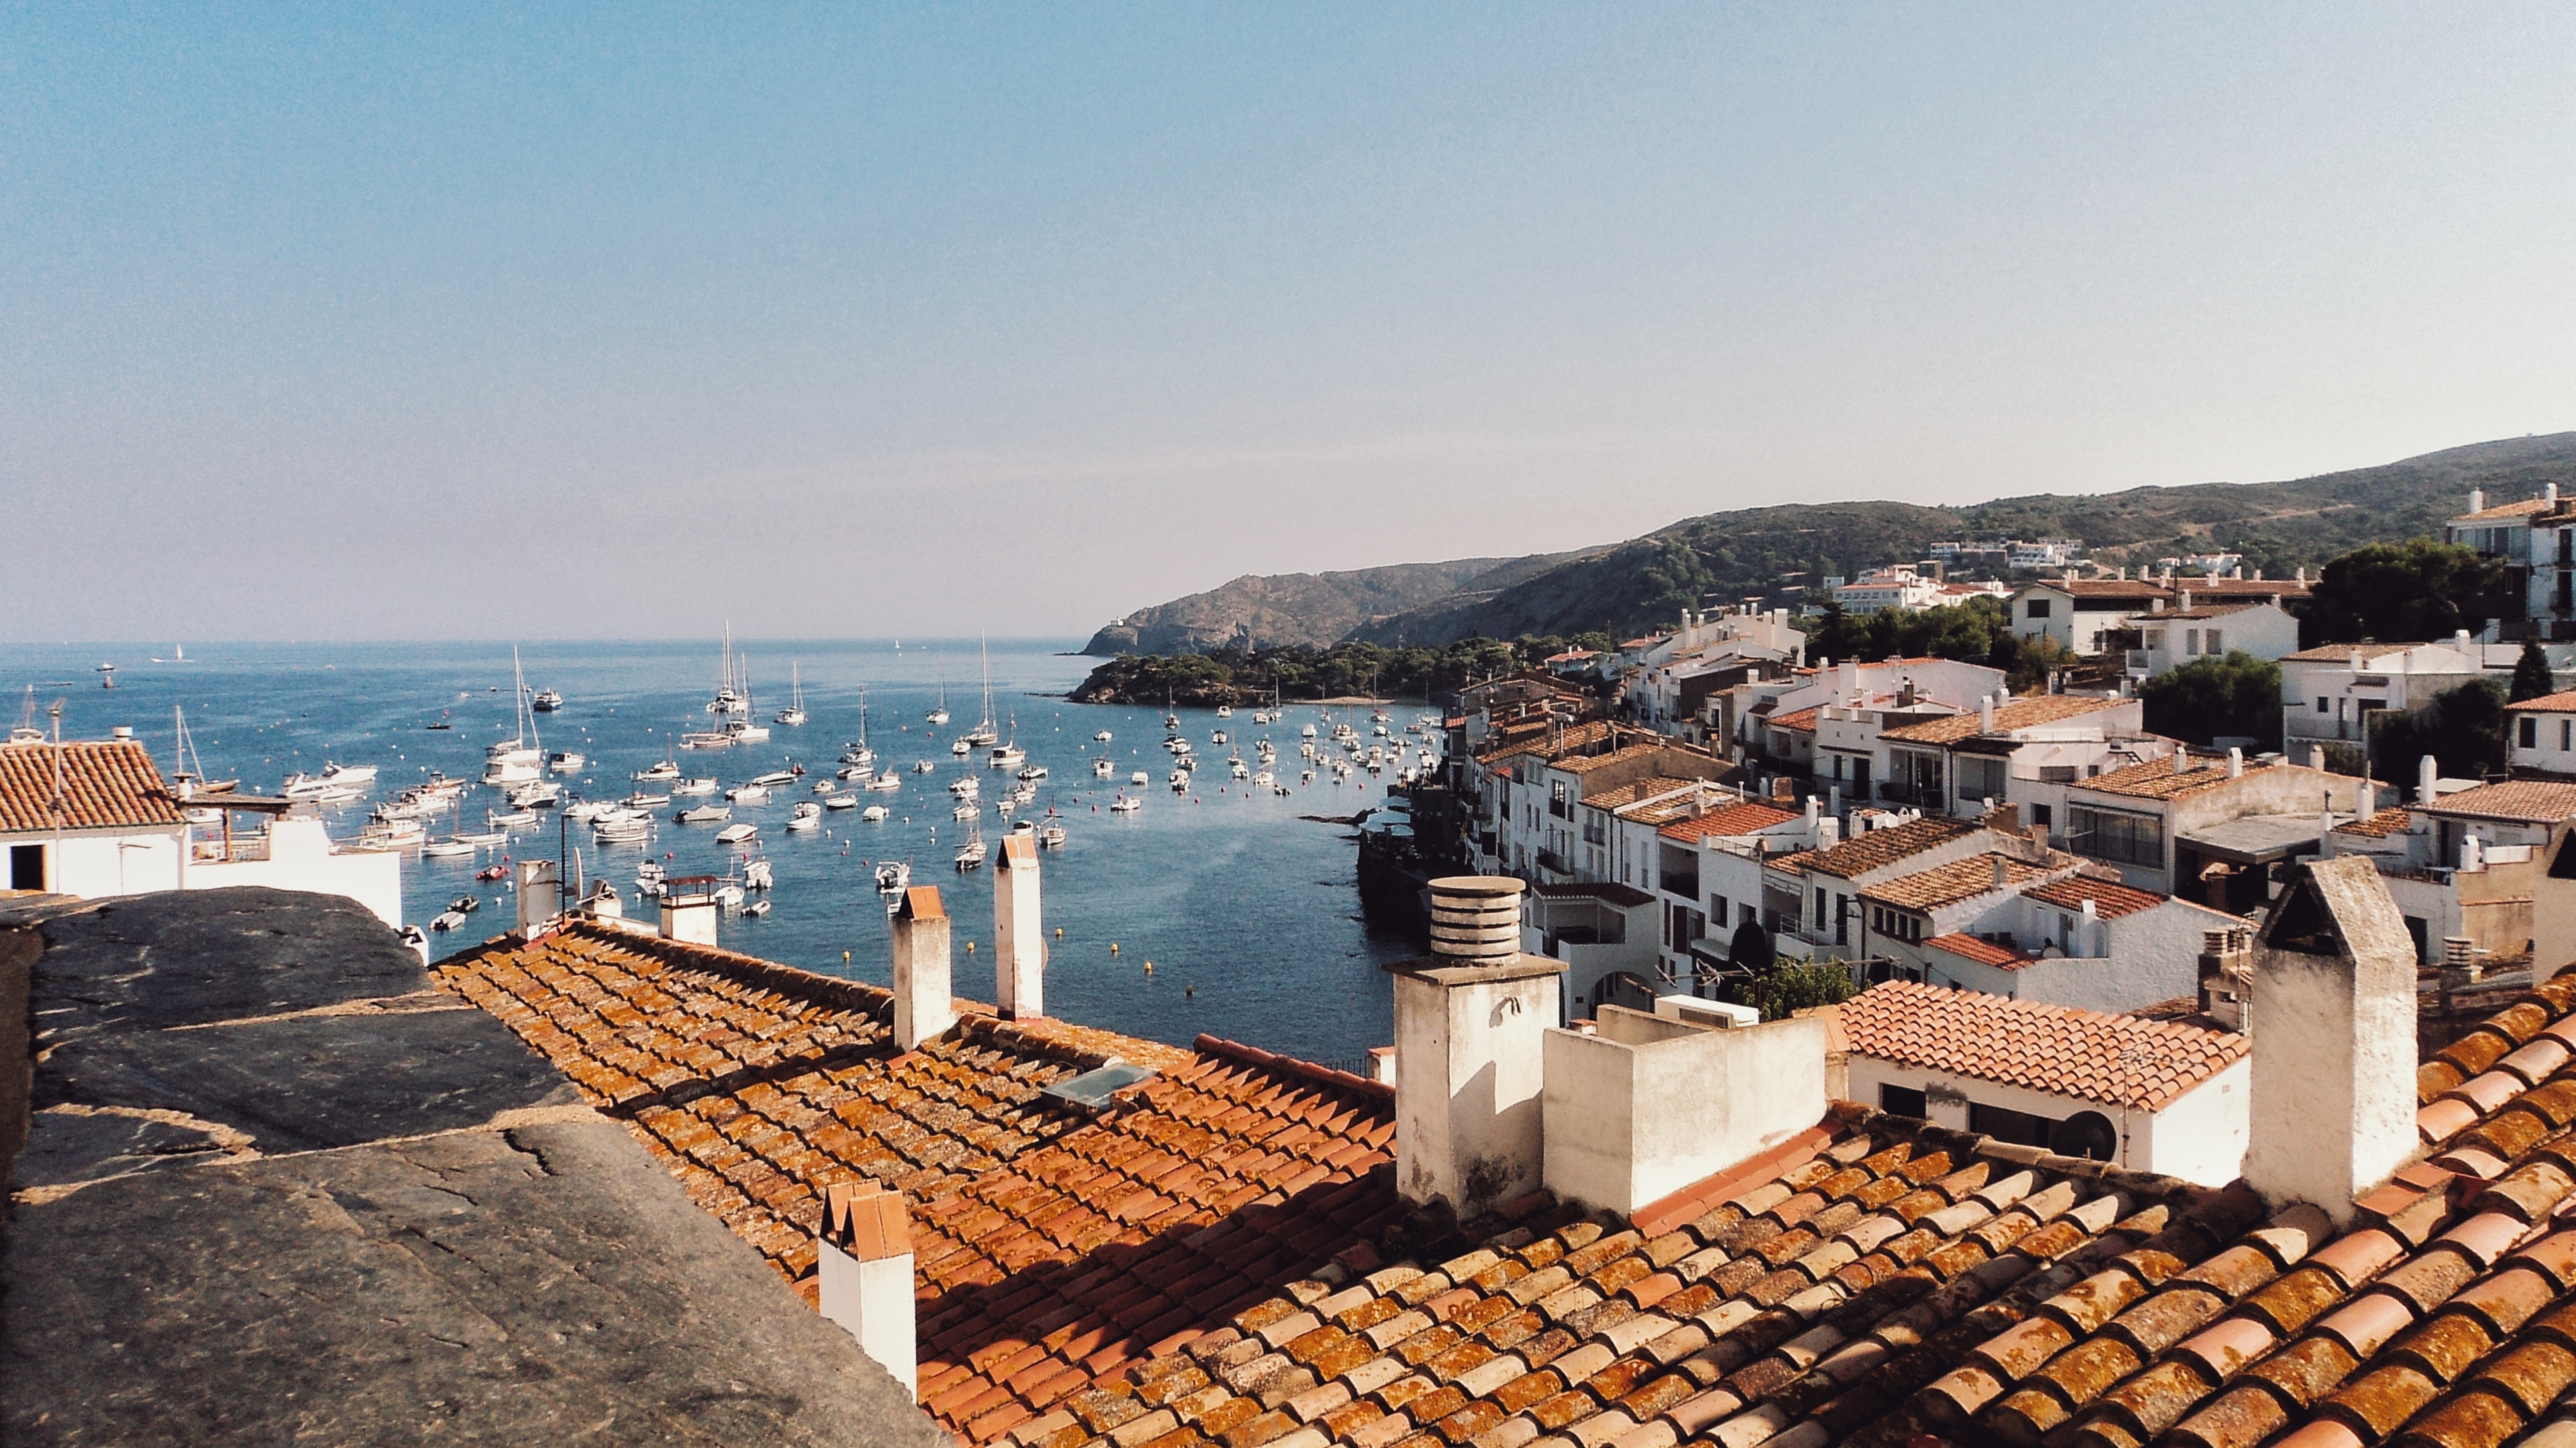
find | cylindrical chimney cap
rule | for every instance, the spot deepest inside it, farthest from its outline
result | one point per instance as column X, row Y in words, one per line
column 1476, row 919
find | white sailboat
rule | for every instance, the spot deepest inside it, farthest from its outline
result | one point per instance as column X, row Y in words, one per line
column 793, row 716
column 739, row 728
column 940, row 714
column 970, row 855
column 729, row 700
column 984, row 733
column 521, row 757
column 860, row 754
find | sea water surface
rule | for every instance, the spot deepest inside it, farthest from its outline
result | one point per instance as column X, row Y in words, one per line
column 1246, row 910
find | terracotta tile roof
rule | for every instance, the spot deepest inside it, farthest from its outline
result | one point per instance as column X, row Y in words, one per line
column 2111, row 899
column 2506, row 512
column 2161, row 779
column 2342, row 653
column 2089, row 1055
column 1983, row 952
column 2524, row 801
column 2017, row 714
column 2106, row 588
column 1799, row 721
column 1884, row 1282
column 2379, row 826
column 1951, row 883
column 1734, row 819
column 2203, row 610
column 1627, row 794
column 1624, row 754
column 109, row 784
column 1879, row 849
column 2562, row 702
column 1546, row 741
column 1051, row 1247
column 2251, row 588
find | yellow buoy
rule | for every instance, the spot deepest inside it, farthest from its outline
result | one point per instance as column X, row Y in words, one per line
column 1113, row 947
column 1059, row 932
column 970, row 947
column 845, row 957
column 1149, row 967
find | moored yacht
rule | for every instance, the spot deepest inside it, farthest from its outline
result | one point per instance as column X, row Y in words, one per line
column 794, row 716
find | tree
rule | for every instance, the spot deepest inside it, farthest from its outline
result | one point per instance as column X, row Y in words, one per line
column 2413, row 592
column 2237, row 696
column 2463, row 729
column 1793, row 988
column 2531, row 677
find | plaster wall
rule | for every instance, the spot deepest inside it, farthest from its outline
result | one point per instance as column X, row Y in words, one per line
column 2334, row 1076
column 97, row 863
column 300, row 858
column 1470, row 1121
column 1648, row 1106
column 873, row 1302
column 2199, row 1137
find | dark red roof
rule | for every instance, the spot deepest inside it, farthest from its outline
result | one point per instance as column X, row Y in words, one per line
column 110, row 784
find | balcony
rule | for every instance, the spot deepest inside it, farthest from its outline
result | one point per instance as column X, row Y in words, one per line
column 1554, row 863
column 1684, row 883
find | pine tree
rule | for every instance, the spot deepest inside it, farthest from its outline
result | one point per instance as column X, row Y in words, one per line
column 2531, row 674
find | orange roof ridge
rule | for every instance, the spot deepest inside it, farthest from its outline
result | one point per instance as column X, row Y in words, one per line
column 1338, row 1080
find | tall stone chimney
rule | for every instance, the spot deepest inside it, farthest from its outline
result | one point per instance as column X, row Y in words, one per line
column 1019, row 941
column 2333, row 1022
column 1470, row 1023
column 924, row 1007
column 863, row 1264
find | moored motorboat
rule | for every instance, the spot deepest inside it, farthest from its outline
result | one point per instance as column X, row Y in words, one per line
column 846, row 801
column 546, row 701
column 735, row 834
column 748, row 794
column 689, row 787
column 705, row 814
column 875, row 814
column 806, row 816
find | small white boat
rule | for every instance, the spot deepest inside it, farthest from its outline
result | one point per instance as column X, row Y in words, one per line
column 582, row 812
column 1125, row 804
column 758, row 908
column 1264, row 779
column 805, row 816
column 447, row 920
column 846, row 801
column 1008, row 756
column 885, row 784
column 666, row 770
column 748, row 794
column 775, row 778
column 1034, row 771
column 893, row 875
column 1102, row 736
column 622, row 831
column 970, row 856
column 924, row 766
column 1308, row 732
column 705, row 814
column 729, row 896
column 1140, row 777
column 755, row 874
column 485, row 839
column 536, row 794
column 736, row 834
column 966, row 811
column 1217, row 736
column 348, row 774
column 1179, row 779
column 875, row 814
column 1051, row 835
column 743, row 731
column 794, row 715
column 566, row 761
column 825, row 786
column 650, row 873
column 965, row 786
column 1225, row 711
column 446, row 849
column 1104, row 767
column 644, row 799
column 517, row 819
column 706, row 741
column 857, row 773
column 687, row 787
column 546, row 701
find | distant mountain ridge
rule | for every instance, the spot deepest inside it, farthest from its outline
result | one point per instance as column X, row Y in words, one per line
column 1625, row 587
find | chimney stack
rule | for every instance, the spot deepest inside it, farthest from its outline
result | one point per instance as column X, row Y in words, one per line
column 863, row 1266
column 1469, row 1025
column 689, row 910
column 2235, row 762
column 2226, row 974
column 2428, row 775
column 2477, row 500
column 1019, row 940
column 540, row 895
column 924, row 1008
column 1986, row 715
column 2333, row 1021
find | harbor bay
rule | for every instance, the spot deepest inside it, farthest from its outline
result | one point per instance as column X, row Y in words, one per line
column 1228, row 909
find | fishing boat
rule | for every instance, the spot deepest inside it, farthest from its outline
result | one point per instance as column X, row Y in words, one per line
column 736, row 834
column 793, row 716
column 688, row 787
column 1051, row 835
column 755, row 874
column 546, row 701
column 893, row 875
column 566, row 761
column 1125, row 804
column 806, row 816
column 884, row 783
column 517, row 819
column 875, row 814
column 748, row 794
column 1007, row 756
column 705, row 814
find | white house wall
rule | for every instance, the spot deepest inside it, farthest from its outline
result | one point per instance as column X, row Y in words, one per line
column 2211, row 1126
column 2201, row 1137
column 94, row 864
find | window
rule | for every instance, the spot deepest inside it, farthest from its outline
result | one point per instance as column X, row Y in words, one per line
column 2155, row 639
column 2566, row 735
column 2191, row 641
column 1820, row 909
column 2125, row 839
column 2040, row 814
column 2527, row 733
column 2217, row 643
column 26, row 867
column 1902, row 1101
column 2321, row 703
column 1717, row 910
column 2035, row 608
column 1982, row 777
column 2018, row 1127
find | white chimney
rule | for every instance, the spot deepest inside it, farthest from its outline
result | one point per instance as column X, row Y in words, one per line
column 2186, row 600
column 1470, row 1074
column 924, row 1007
column 540, row 895
column 689, row 911
column 1986, row 715
column 2235, row 762
column 2549, row 495
column 2473, row 854
column 2333, row 1021
column 1019, row 940
column 2477, row 500
column 2091, row 929
column 863, row 1264
column 2428, row 775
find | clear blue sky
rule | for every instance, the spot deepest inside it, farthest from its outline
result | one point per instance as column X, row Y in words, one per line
column 618, row 321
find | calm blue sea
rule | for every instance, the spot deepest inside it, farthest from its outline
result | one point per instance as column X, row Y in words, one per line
column 1248, row 913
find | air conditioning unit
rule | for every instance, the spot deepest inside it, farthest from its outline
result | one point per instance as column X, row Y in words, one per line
column 1714, row 1015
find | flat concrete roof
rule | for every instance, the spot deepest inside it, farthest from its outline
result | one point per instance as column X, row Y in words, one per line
column 2259, row 839
column 277, row 1186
